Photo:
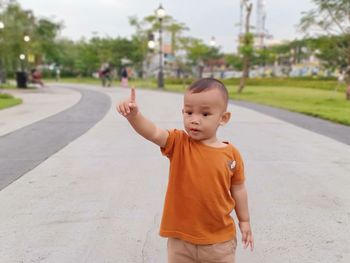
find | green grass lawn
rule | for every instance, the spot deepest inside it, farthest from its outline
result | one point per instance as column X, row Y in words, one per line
column 7, row 100
column 325, row 104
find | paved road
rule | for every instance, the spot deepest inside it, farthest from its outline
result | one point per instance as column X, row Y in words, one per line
column 25, row 148
column 37, row 105
column 99, row 199
column 335, row 131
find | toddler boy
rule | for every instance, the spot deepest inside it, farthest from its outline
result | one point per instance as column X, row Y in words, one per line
column 206, row 180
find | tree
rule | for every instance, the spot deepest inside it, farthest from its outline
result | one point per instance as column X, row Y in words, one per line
column 199, row 54
column 170, row 25
column 18, row 24
column 150, row 24
column 330, row 18
column 246, row 48
column 67, row 55
column 326, row 49
column 234, row 60
column 140, row 38
column 263, row 57
column 88, row 56
column 176, row 29
column 43, row 40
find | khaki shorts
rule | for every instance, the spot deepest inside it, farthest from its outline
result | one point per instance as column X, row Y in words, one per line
column 180, row 251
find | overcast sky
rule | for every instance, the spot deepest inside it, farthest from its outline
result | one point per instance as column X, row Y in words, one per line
column 205, row 18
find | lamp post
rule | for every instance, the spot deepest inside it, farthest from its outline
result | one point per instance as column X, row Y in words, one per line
column 24, row 56
column 21, row 76
column 30, row 56
column 160, row 12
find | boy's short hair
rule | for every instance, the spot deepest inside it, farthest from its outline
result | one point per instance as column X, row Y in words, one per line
column 206, row 84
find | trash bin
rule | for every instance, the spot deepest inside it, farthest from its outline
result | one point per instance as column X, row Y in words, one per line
column 21, row 79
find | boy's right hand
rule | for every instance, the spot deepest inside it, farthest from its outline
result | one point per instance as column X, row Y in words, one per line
column 128, row 108
column 247, row 235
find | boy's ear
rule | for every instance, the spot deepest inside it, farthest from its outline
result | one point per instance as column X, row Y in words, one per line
column 225, row 117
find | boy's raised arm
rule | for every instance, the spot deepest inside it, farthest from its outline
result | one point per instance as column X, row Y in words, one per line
column 143, row 126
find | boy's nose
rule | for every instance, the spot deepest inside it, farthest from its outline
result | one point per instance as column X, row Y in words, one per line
column 194, row 120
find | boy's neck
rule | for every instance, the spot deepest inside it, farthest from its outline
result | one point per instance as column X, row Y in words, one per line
column 213, row 143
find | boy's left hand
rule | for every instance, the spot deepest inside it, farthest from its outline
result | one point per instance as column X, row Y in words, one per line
column 247, row 235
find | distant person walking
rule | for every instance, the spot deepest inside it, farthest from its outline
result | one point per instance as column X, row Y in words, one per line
column 105, row 75
column 124, row 79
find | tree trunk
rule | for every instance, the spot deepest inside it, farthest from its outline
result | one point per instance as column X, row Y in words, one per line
column 347, row 77
column 246, row 65
column 246, row 59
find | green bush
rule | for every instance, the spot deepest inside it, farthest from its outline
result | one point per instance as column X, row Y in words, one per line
column 178, row 81
column 320, row 83
column 323, row 83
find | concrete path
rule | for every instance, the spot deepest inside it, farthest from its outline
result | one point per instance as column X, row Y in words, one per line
column 37, row 105
column 100, row 198
column 336, row 131
column 23, row 149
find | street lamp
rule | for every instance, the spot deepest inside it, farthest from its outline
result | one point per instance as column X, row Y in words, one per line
column 212, row 42
column 151, row 44
column 24, row 57
column 26, row 38
column 30, row 57
column 160, row 13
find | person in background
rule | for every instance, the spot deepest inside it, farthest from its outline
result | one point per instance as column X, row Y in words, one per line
column 124, row 80
column 105, row 75
column 36, row 77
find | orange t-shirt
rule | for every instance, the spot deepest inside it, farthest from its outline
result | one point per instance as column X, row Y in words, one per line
column 198, row 201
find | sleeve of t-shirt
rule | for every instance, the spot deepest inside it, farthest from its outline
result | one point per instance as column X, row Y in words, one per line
column 238, row 176
column 170, row 144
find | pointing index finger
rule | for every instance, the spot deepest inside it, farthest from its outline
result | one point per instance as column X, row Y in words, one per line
column 133, row 94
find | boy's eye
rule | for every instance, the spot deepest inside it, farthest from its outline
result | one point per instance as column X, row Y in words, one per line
column 188, row 112
column 205, row 114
